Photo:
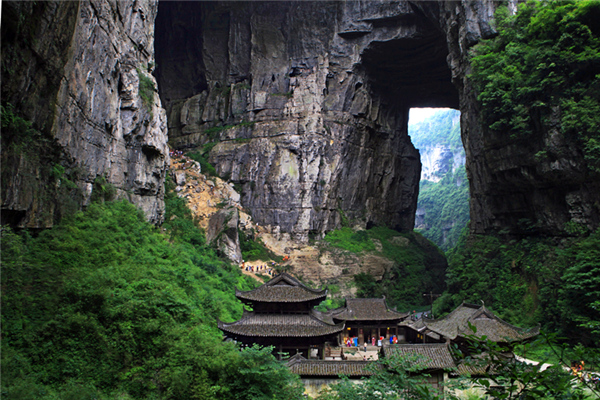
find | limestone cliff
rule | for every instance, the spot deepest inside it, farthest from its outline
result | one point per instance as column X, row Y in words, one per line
column 308, row 103
column 304, row 104
column 293, row 93
column 80, row 73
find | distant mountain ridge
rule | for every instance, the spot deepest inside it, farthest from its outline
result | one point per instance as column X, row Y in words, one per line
column 443, row 205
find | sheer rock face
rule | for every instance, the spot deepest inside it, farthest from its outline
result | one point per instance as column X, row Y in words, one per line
column 308, row 103
column 511, row 189
column 78, row 82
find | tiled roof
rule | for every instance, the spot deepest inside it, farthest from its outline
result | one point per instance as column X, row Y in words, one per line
column 418, row 324
column 470, row 369
column 280, row 325
column 301, row 366
column 477, row 365
column 282, row 289
column 366, row 310
column 457, row 324
column 428, row 355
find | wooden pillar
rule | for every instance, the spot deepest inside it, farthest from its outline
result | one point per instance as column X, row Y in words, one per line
column 361, row 336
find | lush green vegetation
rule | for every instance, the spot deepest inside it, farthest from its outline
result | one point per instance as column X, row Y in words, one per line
column 418, row 267
column 254, row 249
column 444, row 205
column 347, row 239
column 202, row 157
column 442, row 128
column 542, row 72
column 146, row 90
column 530, row 281
column 104, row 305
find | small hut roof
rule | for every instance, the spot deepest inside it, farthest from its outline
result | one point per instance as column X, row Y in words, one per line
column 430, row 356
column 487, row 324
column 280, row 325
column 366, row 310
column 303, row 367
column 282, row 289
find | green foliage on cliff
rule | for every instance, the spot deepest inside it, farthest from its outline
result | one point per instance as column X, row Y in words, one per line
column 542, row 72
column 446, row 208
column 104, row 305
column 530, row 281
column 253, row 248
column 443, row 206
column 36, row 159
column 146, row 90
column 417, row 265
column 347, row 239
column 202, row 157
column 442, row 128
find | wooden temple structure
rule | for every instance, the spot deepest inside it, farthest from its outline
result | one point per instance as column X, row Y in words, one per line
column 283, row 316
column 454, row 327
column 369, row 320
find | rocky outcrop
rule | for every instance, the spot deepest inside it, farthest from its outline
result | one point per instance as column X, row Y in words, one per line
column 80, row 72
column 303, row 104
column 223, row 233
column 438, row 160
column 215, row 206
column 294, row 97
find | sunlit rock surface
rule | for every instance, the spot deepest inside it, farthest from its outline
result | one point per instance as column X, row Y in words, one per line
column 74, row 70
column 307, row 103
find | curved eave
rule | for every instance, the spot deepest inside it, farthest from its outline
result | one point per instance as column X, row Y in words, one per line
column 252, row 326
column 254, row 296
column 291, row 331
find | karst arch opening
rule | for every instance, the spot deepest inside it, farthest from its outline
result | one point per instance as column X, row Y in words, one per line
column 202, row 47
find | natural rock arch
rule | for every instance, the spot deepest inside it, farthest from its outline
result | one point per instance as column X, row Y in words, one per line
column 319, row 96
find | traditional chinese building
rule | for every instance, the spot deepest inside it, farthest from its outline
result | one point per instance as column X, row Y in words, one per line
column 455, row 328
column 369, row 318
column 318, row 374
column 283, row 316
column 432, row 359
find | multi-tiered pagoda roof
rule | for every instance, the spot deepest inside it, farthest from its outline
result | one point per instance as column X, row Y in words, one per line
column 283, row 315
column 282, row 289
column 280, row 325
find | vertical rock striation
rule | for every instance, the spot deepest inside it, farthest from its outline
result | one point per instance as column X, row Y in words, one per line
column 80, row 72
column 306, row 104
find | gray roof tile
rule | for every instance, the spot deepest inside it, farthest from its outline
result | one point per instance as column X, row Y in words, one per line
column 428, row 356
column 280, row 325
column 366, row 310
column 282, row 289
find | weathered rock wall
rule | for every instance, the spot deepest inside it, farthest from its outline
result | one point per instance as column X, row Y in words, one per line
column 306, row 102
column 513, row 190
column 293, row 93
column 73, row 69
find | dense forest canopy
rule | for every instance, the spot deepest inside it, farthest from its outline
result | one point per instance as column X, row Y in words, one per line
column 105, row 305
